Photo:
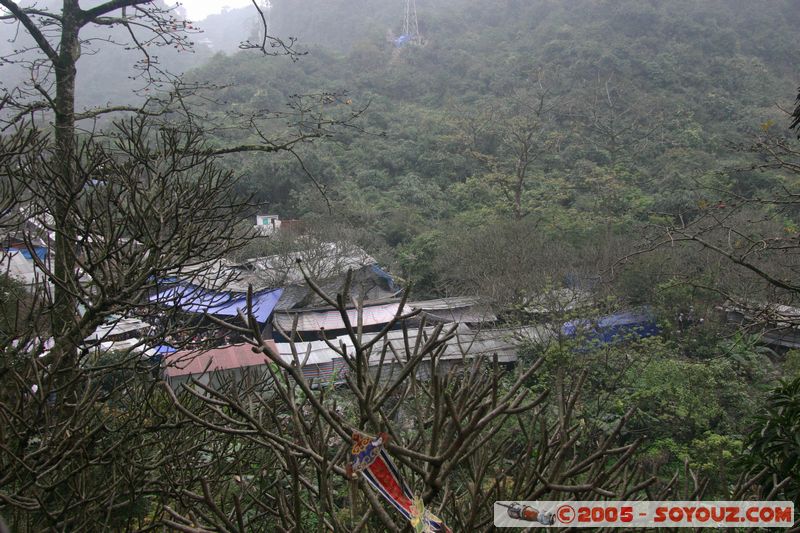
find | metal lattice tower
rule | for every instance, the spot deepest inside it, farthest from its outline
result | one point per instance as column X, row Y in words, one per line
column 410, row 25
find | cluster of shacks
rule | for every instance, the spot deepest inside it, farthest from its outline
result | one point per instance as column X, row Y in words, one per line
column 178, row 330
column 272, row 293
column 300, row 327
column 181, row 332
column 182, row 336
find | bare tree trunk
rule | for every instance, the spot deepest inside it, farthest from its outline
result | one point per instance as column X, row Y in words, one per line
column 67, row 183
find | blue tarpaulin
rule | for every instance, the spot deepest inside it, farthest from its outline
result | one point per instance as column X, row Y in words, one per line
column 194, row 299
column 614, row 328
column 378, row 271
column 157, row 353
column 164, row 349
column 40, row 251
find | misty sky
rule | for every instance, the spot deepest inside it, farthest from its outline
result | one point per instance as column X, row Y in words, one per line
column 200, row 9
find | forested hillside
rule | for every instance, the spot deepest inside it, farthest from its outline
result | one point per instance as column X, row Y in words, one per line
column 621, row 111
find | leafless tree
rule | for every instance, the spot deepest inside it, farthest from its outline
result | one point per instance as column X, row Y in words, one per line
column 512, row 140
column 616, row 123
column 140, row 220
column 464, row 432
column 85, row 437
column 58, row 41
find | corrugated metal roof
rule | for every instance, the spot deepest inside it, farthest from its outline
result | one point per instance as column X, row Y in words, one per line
column 321, row 363
column 467, row 343
column 332, row 320
column 314, row 352
column 452, row 302
column 115, row 328
column 464, row 315
column 184, row 363
column 336, row 370
column 780, row 314
column 462, row 309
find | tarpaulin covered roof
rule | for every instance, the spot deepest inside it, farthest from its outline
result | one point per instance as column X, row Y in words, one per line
column 159, row 351
column 164, row 348
column 28, row 253
column 616, row 327
column 183, row 363
column 193, row 299
column 332, row 320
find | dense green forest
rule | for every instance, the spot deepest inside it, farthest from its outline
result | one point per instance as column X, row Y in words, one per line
column 630, row 109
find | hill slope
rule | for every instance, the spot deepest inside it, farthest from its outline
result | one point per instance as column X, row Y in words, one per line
column 628, row 104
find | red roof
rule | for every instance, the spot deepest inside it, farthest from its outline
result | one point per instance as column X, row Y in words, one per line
column 194, row 362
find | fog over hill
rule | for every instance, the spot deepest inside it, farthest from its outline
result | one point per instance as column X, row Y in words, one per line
column 107, row 72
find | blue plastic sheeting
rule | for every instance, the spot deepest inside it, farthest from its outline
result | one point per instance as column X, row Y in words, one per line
column 378, row 271
column 40, row 251
column 163, row 349
column 400, row 41
column 193, row 299
column 158, row 352
column 614, row 328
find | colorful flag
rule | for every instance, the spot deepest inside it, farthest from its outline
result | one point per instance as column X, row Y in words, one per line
column 370, row 459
